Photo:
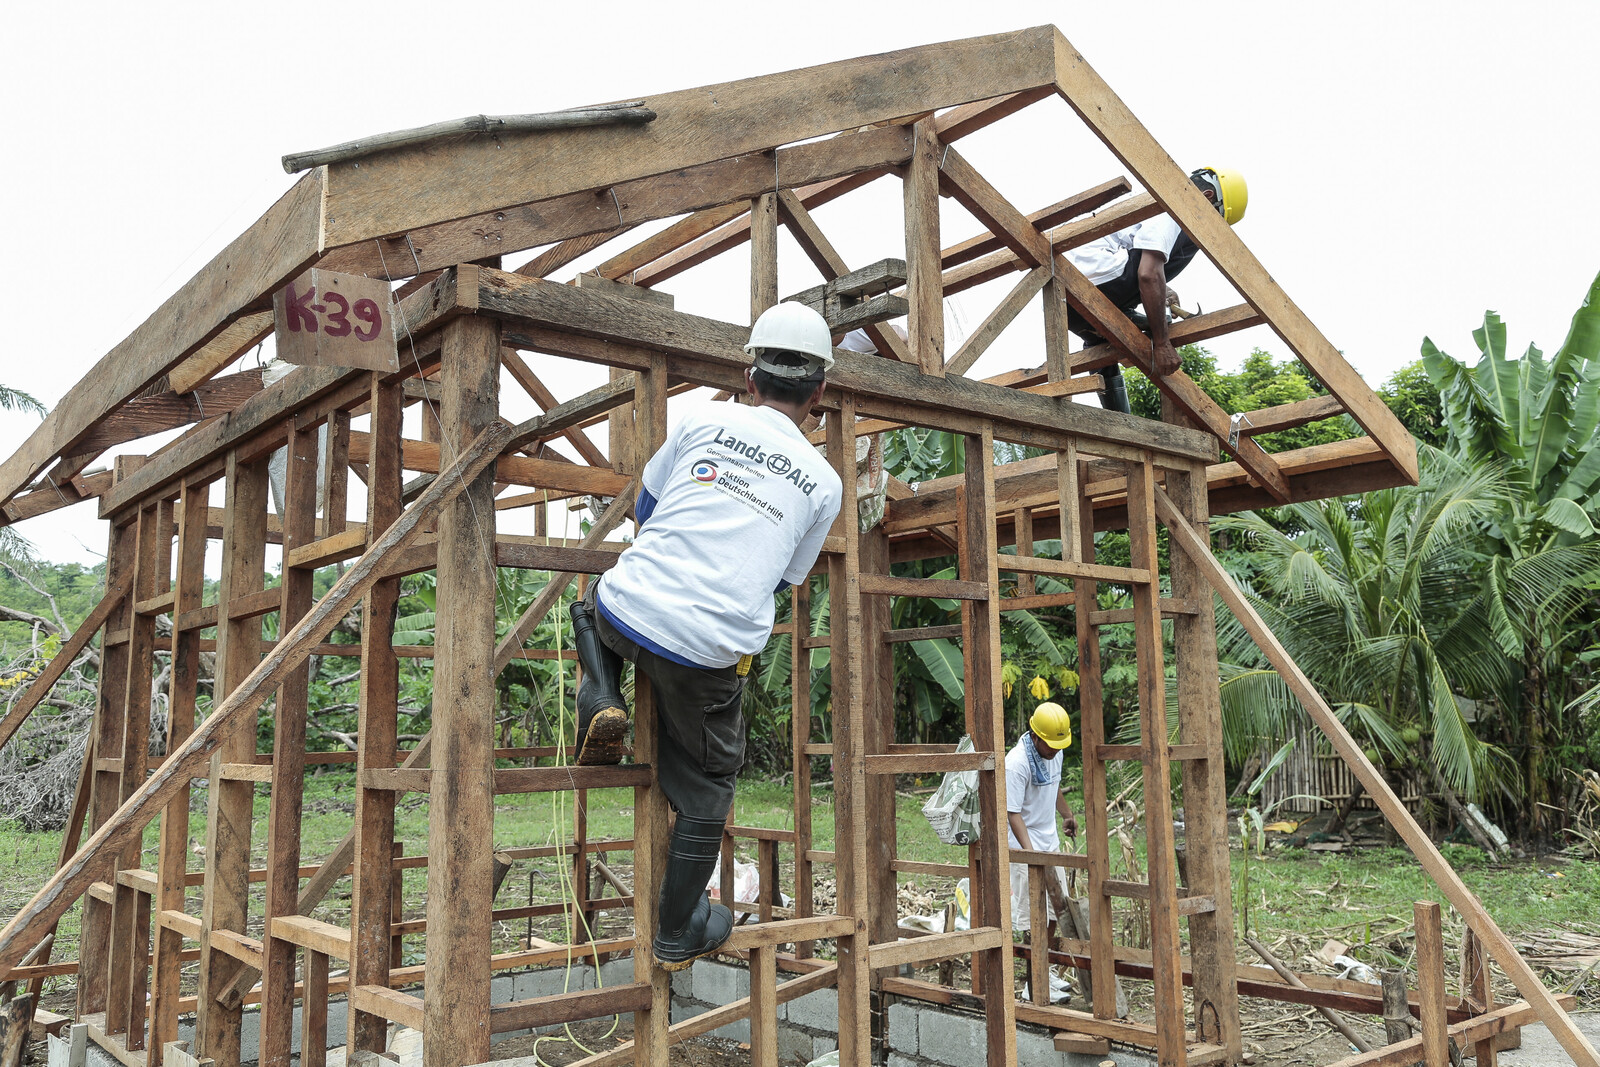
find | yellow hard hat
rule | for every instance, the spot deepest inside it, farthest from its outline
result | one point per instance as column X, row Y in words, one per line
column 1229, row 189
column 1051, row 722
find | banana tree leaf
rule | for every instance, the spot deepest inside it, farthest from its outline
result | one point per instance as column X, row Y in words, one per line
column 943, row 660
column 1567, row 516
column 1496, row 377
column 775, row 673
column 1033, row 632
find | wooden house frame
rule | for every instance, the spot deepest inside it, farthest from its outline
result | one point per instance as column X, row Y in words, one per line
column 732, row 163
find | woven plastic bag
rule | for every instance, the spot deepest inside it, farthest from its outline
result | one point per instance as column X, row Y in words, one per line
column 952, row 811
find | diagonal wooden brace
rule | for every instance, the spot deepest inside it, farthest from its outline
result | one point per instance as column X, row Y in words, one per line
column 1185, row 537
column 93, row 861
column 1113, row 325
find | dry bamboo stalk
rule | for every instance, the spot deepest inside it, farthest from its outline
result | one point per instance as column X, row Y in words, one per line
column 632, row 113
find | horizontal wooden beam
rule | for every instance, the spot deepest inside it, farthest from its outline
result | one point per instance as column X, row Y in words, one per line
column 265, row 412
column 535, row 303
column 420, row 186
column 167, row 411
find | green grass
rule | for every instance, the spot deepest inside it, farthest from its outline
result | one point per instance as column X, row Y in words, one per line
column 1363, row 898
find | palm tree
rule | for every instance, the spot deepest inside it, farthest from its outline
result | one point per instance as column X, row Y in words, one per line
column 1534, row 422
column 14, row 549
column 1377, row 601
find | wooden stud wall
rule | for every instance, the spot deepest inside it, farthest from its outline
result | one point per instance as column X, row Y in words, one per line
column 467, row 322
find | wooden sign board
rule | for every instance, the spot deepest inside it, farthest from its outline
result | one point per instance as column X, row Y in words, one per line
column 327, row 319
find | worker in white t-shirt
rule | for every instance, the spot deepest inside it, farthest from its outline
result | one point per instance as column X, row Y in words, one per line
column 1134, row 265
column 733, row 509
column 1034, row 801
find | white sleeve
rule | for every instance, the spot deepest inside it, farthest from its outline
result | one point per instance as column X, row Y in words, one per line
column 662, row 464
column 810, row 547
column 1017, row 781
column 1158, row 235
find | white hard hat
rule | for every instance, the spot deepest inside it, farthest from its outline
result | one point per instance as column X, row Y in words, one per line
column 791, row 327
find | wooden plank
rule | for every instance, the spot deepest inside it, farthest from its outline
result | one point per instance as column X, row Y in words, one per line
column 978, row 342
column 764, row 1007
column 314, row 1023
column 973, row 191
column 921, row 633
column 517, row 470
column 1163, row 888
column 230, row 804
column 297, row 392
column 934, row 947
column 55, row 497
column 1066, row 568
column 532, row 303
column 1481, row 1028
column 951, row 588
column 925, row 324
column 1430, row 984
column 276, row 247
column 831, row 265
column 41, row 685
column 985, row 720
column 998, row 264
column 418, row 186
column 1082, row 88
column 571, row 1007
column 238, row 337
column 716, row 192
column 1460, row 897
column 1045, row 218
column 313, row 934
column 403, row 1008
column 170, row 410
column 70, row 883
column 546, row 400
column 763, row 254
column 930, row 763
column 670, row 259
column 461, row 799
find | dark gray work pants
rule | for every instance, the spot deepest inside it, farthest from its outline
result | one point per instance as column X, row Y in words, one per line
column 700, row 725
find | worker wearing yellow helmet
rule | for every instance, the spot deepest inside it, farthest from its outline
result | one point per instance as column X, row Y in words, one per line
column 1034, row 800
column 1134, row 265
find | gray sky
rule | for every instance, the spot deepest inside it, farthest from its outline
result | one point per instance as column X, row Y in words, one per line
column 1410, row 165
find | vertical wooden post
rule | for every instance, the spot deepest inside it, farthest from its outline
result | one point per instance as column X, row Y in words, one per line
column 1430, row 985
column 980, row 640
column 650, row 1041
column 314, row 1016
column 173, row 860
column 924, row 281
column 461, row 789
column 1102, row 963
column 876, row 661
column 1022, row 524
column 230, row 803
column 1171, row 1049
column 334, row 481
column 799, row 737
column 1038, row 935
column 1211, row 934
column 764, row 1005
column 299, row 522
column 1052, row 298
column 105, row 791
column 763, row 254
column 849, row 723
column 1475, row 984
column 372, row 870
column 134, row 756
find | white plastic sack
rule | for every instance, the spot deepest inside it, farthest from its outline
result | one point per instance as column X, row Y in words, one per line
column 746, row 882
column 831, row 1059
column 952, row 811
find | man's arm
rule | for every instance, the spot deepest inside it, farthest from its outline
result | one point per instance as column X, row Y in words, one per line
column 1153, row 291
column 1069, row 821
column 1019, row 830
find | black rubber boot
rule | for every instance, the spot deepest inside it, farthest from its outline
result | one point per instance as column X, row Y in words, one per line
column 602, row 713
column 1114, row 397
column 688, row 923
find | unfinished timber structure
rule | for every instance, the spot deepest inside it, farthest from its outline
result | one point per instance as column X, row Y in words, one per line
column 731, row 164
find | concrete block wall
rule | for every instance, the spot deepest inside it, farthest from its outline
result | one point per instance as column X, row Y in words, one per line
column 920, row 1035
